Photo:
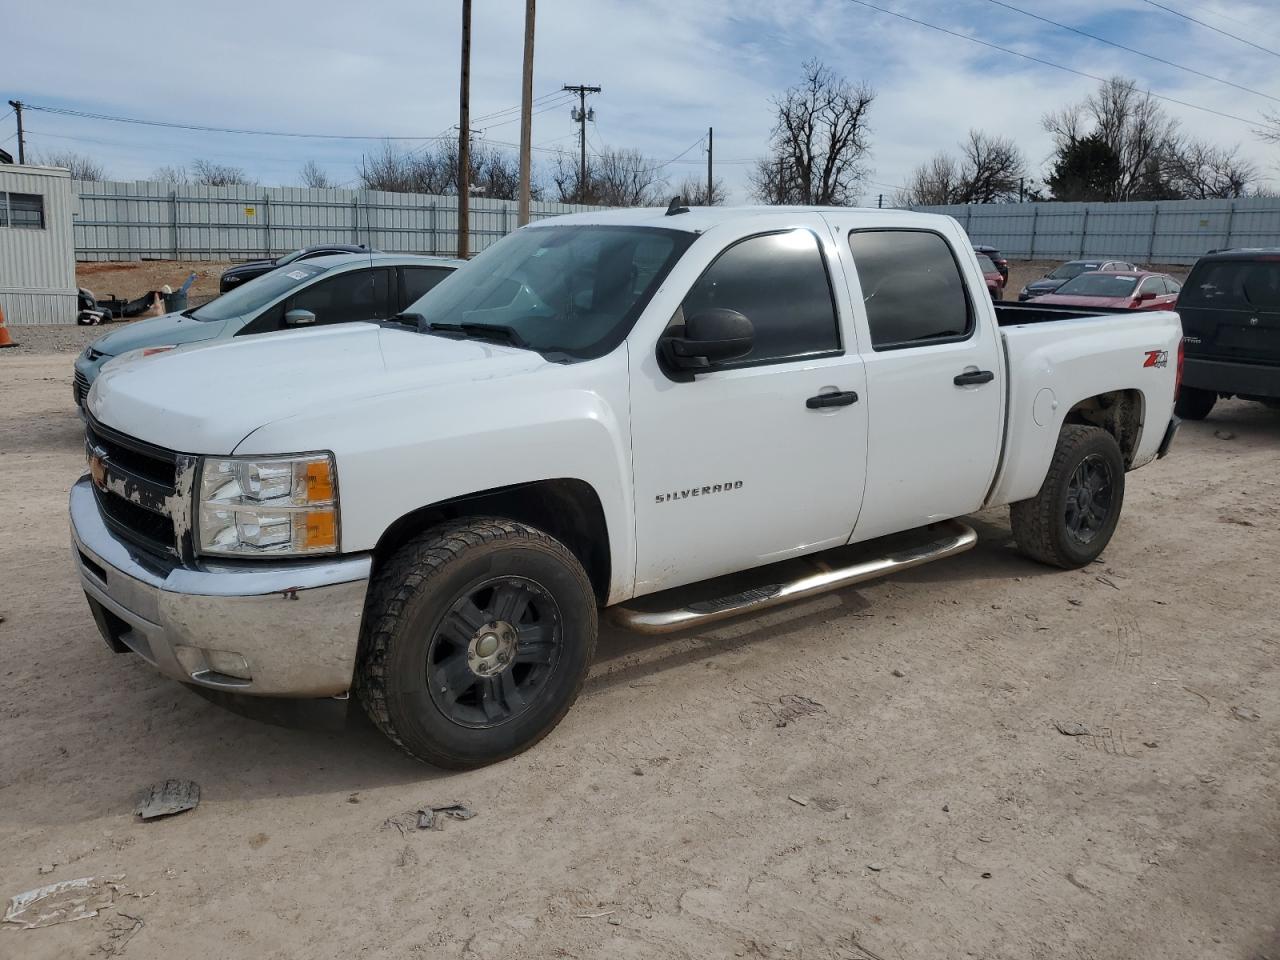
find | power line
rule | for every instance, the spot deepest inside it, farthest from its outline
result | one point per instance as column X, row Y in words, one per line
column 64, row 111
column 1209, row 26
column 516, row 108
column 1121, row 46
column 1047, row 63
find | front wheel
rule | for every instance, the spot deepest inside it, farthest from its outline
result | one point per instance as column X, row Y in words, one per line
column 1070, row 521
column 1193, row 403
column 477, row 637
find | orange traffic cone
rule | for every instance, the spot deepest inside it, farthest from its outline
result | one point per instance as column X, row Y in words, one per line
column 5, row 339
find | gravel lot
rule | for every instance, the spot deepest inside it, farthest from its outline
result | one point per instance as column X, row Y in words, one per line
column 768, row 788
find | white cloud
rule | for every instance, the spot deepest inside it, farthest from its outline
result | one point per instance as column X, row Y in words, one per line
column 669, row 70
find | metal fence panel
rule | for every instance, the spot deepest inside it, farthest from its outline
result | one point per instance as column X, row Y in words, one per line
column 1162, row 231
column 159, row 221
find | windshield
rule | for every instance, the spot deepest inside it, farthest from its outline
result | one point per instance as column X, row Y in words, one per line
column 573, row 289
column 985, row 264
column 1098, row 285
column 1073, row 269
column 257, row 293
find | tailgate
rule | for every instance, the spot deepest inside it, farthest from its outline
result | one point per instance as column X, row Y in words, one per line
column 1230, row 310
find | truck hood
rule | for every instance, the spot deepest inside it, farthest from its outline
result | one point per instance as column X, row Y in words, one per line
column 172, row 328
column 208, row 399
column 1085, row 302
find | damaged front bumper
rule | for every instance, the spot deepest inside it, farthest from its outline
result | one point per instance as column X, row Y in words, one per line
column 282, row 629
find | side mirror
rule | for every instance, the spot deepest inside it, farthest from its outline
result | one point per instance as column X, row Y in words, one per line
column 1147, row 295
column 710, row 337
column 299, row 318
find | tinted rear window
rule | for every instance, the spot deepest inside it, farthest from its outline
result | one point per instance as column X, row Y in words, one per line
column 1233, row 284
column 912, row 288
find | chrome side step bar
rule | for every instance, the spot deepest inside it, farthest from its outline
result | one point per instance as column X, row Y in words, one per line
column 954, row 537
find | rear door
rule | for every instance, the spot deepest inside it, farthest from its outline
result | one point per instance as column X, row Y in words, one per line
column 935, row 379
column 1230, row 309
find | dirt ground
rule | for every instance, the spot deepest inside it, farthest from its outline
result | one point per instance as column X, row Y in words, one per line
column 767, row 788
column 134, row 278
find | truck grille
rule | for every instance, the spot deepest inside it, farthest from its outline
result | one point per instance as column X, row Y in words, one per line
column 142, row 490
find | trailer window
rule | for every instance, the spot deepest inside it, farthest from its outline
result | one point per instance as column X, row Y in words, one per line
column 26, row 210
column 911, row 287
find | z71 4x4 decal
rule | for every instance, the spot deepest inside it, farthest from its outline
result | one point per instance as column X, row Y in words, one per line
column 1157, row 358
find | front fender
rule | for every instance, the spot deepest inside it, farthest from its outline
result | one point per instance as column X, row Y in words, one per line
column 398, row 453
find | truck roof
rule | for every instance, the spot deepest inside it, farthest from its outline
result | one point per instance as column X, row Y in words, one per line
column 698, row 219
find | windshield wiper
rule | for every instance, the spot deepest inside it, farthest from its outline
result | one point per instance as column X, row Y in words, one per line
column 482, row 331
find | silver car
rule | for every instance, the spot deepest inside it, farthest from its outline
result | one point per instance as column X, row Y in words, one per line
column 333, row 289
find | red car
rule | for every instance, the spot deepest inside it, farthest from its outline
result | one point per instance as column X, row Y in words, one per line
column 1127, row 290
column 994, row 278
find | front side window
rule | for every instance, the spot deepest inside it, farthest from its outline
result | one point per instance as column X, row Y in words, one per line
column 911, row 287
column 354, row 295
column 574, row 290
column 779, row 282
column 1152, row 285
column 26, row 211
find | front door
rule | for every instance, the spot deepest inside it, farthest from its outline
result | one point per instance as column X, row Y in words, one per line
column 746, row 463
column 935, row 380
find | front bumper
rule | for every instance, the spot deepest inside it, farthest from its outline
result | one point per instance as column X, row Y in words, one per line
column 295, row 624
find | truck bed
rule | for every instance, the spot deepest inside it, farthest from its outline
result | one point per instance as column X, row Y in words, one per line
column 1012, row 314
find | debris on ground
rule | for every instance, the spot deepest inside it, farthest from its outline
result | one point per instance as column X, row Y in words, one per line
column 63, row 901
column 166, row 798
column 121, row 928
column 898, row 673
column 353, row 798
column 875, row 867
column 800, row 800
column 1245, row 713
column 1071, row 728
column 1108, row 581
column 1224, row 434
column 792, row 706
column 429, row 819
column 1236, row 520
column 1150, row 744
column 592, row 916
column 45, row 868
column 1076, row 603
column 826, row 804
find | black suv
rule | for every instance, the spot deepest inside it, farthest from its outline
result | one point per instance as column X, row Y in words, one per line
column 1230, row 309
column 234, row 276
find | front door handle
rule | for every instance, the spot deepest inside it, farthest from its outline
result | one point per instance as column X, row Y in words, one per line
column 841, row 399
column 972, row 377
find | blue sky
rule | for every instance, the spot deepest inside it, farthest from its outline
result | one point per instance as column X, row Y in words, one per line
column 668, row 69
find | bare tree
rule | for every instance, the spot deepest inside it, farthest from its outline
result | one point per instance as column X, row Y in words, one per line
column 82, row 167
column 211, row 174
column 313, row 175
column 1132, row 124
column 178, row 176
column 693, row 191
column 494, row 173
column 988, row 171
column 819, row 143
column 615, row 178
column 1201, row 171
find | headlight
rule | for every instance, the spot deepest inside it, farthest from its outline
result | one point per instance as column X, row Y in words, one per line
column 250, row 506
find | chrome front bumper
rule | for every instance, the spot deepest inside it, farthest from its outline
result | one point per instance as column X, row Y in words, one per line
column 284, row 629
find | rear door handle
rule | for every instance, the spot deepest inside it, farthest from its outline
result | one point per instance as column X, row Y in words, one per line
column 841, row 399
column 971, row 377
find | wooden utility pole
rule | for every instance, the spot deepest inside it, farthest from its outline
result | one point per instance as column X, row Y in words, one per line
column 22, row 137
column 526, row 115
column 464, row 138
column 581, row 116
column 711, row 187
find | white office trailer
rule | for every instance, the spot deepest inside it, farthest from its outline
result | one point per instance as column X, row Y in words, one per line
column 37, row 245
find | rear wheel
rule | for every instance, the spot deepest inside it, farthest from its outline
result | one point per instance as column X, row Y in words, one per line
column 1194, row 404
column 1070, row 521
column 477, row 638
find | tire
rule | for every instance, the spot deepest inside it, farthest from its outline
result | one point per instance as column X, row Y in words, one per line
column 477, row 637
column 1058, row 526
column 1194, row 404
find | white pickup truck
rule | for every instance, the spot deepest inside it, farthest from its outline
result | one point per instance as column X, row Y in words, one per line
column 610, row 410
